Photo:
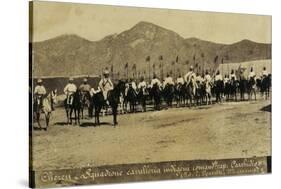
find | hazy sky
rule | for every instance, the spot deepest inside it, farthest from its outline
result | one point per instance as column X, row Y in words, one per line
column 94, row 22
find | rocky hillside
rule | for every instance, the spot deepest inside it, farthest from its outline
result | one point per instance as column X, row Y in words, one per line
column 132, row 51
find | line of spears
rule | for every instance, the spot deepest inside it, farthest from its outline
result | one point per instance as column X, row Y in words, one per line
column 127, row 96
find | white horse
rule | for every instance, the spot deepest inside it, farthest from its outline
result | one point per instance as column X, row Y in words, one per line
column 46, row 108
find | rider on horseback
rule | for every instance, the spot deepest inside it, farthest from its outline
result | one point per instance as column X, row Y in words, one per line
column 142, row 85
column 85, row 87
column 264, row 72
column 168, row 81
column 207, row 77
column 105, row 84
column 39, row 92
column 232, row 76
column 198, row 79
column 155, row 80
column 190, row 76
column 252, row 74
column 69, row 90
column 180, row 80
column 226, row 79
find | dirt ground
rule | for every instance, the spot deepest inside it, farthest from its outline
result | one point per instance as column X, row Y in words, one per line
column 229, row 130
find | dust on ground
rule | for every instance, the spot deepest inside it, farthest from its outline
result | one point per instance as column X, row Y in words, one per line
column 229, row 130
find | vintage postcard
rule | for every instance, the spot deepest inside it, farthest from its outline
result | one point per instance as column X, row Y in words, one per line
column 124, row 94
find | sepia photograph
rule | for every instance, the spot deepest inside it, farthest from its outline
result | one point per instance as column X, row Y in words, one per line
column 125, row 94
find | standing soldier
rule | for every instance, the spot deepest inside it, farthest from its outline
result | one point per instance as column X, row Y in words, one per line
column 168, row 81
column 69, row 90
column 39, row 92
column 105, row 84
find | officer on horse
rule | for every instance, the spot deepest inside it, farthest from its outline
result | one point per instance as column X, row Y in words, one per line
column 105, row 84
column 69, row 90
column 39, row 93
column 168, row 81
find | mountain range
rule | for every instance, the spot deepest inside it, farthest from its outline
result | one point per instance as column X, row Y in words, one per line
column 144, row 48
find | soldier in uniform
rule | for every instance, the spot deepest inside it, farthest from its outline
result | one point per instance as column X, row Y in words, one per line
column 155, row 80
column 232, row 76
column 69, row 90
column 168, row 81
column 39, row 92
column 85, row 87
column 190, row 75
column 180, row 80
column 105, row 84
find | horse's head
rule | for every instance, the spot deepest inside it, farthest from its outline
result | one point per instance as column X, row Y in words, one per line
column 120, row 87
column 52, row 96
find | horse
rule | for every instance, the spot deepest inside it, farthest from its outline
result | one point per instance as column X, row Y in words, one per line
column 86, row 98
column 219, row 88
column 265, row 86
column 132, row 98
column 113, row 97
column 243, row 87
column 97, row 104
column 155, row 93
column 252, row 86
column 142, row 96
column 199, row 94
column 207, row 91
column 180, row 94
column 234, row 85
column 168, row 94
column 190, row 91
column 44, row 105
column 75, row 105
column 227, row 90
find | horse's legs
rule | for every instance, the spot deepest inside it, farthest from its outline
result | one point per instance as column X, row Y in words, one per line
column 47, row 117
column 70, row 115
column 114, row 113
column 38, row 118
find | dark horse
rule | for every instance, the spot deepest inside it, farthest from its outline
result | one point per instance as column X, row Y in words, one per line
column 132, row 98
column 75, row 106
column 142, row 97
column 243, row 87
column 113, row 97
column 265, row 86
column 219, row 88
column 168, row 94
column 97, row 104
column 155, row 93
column 234, row 85
column 180, row 94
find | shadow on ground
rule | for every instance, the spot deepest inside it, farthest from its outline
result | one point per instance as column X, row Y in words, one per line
column 266, row 108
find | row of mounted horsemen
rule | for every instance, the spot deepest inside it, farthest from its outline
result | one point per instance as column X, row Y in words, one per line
column 190, row 90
